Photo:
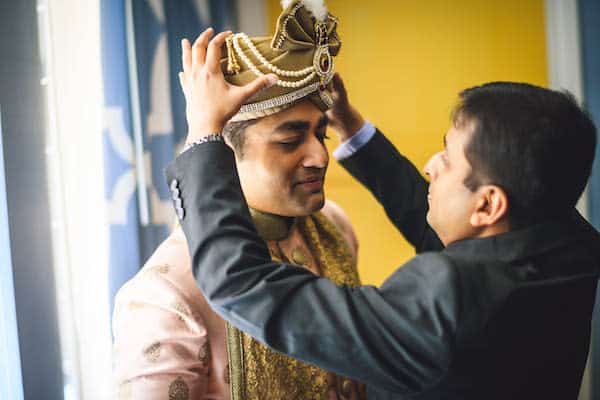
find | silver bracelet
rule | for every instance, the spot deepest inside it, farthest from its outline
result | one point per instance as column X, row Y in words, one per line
column 213, row 137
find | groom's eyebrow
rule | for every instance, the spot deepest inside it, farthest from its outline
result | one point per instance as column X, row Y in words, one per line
column 299, row 126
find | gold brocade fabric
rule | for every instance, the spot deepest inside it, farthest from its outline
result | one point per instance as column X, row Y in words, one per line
column 266, row 374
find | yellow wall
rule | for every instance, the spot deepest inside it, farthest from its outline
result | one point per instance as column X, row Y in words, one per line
column 404, row 63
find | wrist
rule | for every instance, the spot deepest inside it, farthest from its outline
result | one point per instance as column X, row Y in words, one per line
column 199, row 133
column 215, row 137
column 351, row 127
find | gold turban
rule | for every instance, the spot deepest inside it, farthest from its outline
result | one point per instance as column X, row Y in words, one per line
column 300, row 53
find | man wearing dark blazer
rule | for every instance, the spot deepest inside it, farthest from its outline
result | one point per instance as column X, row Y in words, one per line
column 498, row 302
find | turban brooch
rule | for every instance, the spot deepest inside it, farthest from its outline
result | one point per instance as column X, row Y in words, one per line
column 300, row 53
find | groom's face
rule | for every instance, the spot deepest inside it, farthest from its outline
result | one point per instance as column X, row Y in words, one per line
column 282, row 169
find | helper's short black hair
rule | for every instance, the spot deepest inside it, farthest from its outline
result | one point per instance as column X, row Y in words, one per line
column 536, row 144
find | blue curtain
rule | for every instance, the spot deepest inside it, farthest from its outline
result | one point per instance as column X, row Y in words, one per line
column 144, row 117
column 589, row 11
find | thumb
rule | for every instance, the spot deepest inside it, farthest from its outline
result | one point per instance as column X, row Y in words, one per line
column 181, row 76
column 260, row 83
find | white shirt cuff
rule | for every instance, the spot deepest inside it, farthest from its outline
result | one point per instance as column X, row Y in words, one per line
column 355, row 143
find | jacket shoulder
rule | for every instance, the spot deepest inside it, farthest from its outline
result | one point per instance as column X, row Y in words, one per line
column 429, row 266
column 338, row 217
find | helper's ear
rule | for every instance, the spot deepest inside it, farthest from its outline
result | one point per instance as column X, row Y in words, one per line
column 491, row 206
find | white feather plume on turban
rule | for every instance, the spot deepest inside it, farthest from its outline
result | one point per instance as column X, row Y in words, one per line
column 316, row 7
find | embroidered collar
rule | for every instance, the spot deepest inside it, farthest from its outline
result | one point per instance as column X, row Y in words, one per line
column 272, row 226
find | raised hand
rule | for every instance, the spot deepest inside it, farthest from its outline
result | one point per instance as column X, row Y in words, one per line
column 210, row 100
column 343, row 118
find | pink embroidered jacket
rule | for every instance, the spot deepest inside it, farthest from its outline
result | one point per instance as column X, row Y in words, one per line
column 168, row 343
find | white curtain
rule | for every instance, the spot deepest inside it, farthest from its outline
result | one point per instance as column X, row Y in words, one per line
column 71, row 34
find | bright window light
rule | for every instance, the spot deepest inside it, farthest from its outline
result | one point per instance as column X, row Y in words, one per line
column 70, row 50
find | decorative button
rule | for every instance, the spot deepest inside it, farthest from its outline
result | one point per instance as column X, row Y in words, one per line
column 298, row 256
column 174, row 184
column 178, row 203
column 180, row 213
column 175, row 193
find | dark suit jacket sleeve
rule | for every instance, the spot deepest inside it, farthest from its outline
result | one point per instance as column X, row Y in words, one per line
column 398, row 186
column 399, row 337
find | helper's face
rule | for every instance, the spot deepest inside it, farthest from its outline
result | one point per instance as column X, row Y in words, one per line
column 284, row 161
column 451, row 203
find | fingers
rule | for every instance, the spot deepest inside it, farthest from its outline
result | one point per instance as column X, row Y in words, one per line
column 337, row 81
column 199, row 49
column 340, row 89
column 186, row 56
column 181, row 76
column 213, row 54
column 257, row 85
column 333, row 121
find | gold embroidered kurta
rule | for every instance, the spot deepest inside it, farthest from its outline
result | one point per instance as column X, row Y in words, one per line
column 260, row 373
